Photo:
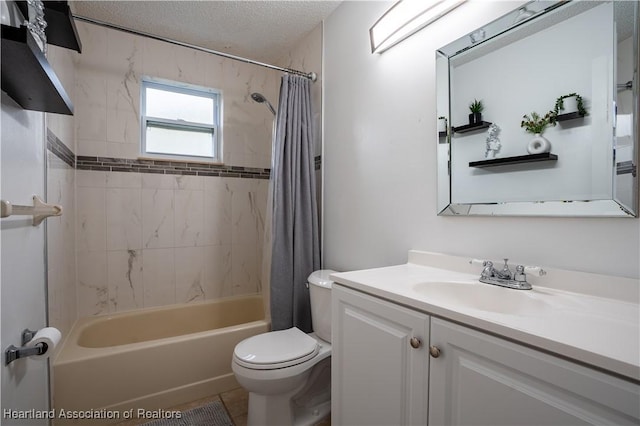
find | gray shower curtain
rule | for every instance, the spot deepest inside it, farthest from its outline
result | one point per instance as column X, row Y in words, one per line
column 296, row 246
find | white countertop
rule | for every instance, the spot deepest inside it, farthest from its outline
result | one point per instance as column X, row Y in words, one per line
column 600, row 331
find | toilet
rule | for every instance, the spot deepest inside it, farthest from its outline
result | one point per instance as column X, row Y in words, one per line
column 287, row 372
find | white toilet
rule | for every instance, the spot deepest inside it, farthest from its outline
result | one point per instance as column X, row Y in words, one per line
column 288, row 372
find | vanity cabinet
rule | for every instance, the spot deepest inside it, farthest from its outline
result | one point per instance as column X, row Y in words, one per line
column 471, row 378
column 379, row 374
column 481, row 379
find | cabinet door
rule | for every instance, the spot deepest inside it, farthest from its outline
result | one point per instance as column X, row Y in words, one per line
column 479, row 379
column 378, row 377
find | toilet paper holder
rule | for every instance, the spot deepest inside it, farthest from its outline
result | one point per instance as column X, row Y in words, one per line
column 12, row 353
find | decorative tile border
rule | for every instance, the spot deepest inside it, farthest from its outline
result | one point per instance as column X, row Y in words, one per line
column 61, row 151
column 109, row 164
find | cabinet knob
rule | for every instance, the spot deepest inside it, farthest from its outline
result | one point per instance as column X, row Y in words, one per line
column 415, row 342
column 434, row 351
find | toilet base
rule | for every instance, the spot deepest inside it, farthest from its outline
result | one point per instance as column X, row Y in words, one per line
column 304, row 406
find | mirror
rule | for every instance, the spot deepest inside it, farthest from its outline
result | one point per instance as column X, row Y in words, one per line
column 554, row 89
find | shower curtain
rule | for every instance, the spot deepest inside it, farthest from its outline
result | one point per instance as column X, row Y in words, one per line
column 296, row 247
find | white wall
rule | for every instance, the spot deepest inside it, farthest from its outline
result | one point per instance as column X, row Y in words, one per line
column 380, row 161
column 23, row 276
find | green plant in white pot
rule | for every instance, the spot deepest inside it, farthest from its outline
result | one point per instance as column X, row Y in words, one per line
column 536, row 124
column 570, row 103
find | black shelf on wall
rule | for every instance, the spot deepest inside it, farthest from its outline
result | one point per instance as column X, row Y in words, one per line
column 471, row 127
column 531, row 158
column 61, row 28
column 27, row 76
column 569, row 116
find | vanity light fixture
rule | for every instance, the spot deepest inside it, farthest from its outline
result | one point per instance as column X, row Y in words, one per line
column 405, row 18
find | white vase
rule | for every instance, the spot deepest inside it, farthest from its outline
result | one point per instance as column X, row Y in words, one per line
column 538, row 145
column 569, row 105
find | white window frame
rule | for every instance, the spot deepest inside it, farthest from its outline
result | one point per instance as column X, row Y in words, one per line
column 189, row 89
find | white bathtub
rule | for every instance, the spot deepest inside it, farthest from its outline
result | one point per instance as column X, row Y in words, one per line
column 153, row 358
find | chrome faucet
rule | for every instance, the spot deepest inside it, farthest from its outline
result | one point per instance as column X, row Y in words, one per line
column 504, row 277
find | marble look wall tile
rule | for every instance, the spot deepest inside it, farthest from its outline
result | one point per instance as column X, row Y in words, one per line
column 91, row 147
column 94, row 43
column 190, row 286
column 247, row 220
column 188, row 182
column 124, row 279
column 159, row 59
column 158, row 181
column 125, row 56
column 158, row 277
column 214, row 71
column 245, row 269
column 91, row 179
column 93, row 291
column 124, row 125
column 217, row 271
column 158, row 218
column 122, row 150
column 124, row 219
column 91, row 219
column 217, row 212
column 123, row 180
column 193, row 237
column 190, row 65
column 189, row 218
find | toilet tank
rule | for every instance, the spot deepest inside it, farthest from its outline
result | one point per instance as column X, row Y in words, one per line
column 320, row 295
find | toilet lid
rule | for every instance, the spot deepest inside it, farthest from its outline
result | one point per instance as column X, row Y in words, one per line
column 277, row 349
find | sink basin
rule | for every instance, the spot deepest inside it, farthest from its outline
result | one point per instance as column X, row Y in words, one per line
column 482, row 297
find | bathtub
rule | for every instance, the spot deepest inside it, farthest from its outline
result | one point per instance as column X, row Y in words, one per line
column 153, row 358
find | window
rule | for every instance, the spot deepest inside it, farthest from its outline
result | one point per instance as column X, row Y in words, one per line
column 180, row 121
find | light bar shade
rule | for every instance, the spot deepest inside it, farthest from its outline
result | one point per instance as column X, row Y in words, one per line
column 405, row 18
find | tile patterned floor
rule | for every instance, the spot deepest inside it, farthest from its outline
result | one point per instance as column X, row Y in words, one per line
column 235, row 402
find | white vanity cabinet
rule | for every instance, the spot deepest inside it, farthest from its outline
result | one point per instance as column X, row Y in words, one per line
column 480, row 379
column 379, row 374
column 472, row 378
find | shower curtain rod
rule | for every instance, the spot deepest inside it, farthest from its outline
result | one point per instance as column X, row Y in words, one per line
column 311, row 75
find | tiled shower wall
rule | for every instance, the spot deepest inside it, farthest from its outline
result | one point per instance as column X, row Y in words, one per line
column 150, row 239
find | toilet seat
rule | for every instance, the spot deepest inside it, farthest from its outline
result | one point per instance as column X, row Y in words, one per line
column 277, row 349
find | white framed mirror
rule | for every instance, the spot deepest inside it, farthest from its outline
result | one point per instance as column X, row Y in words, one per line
column 520, row 69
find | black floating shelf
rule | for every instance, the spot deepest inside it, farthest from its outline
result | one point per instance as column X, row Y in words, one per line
column 27, row 77
column 569, row 116
column 531, row 158
column 61, row 28
column 472, row 127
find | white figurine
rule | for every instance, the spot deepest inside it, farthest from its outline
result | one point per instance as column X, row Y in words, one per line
column 493, row 143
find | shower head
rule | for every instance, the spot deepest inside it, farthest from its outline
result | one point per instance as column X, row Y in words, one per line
column 259, row 97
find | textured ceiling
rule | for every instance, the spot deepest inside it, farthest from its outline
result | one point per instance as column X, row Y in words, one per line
column 259, row 30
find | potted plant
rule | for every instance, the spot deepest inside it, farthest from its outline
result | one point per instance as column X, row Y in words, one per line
column 476, row 109
column 536, row 124
column 570, row 103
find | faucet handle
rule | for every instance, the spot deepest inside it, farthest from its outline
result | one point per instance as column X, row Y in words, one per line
column 519, row 275
column 478, row 262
